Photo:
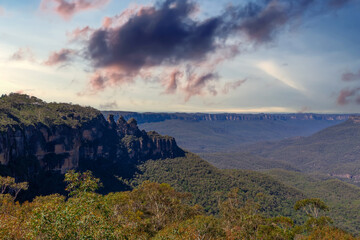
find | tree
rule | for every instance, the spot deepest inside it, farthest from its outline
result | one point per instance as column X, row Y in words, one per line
column 312, row 206
column 8, row 185
column 81, row 182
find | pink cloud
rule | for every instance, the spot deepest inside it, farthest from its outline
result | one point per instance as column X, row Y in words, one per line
column 198, row 84
column 62, row 56
column 80, row 34
column 346, row 95
column 68, row 8
column 123, row 17
column 171, row 81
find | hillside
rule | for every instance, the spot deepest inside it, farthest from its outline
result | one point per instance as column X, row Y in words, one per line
column 342, row 198
column 245, row 160
column 280, row 188
column 334, row 151
column 208, row 184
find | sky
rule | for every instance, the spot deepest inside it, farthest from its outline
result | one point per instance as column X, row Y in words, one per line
column 184, row 55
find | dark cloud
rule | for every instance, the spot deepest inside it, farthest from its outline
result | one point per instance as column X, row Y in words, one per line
column 161, row 35
column 349, row 76
column 68, row 8
column 260, row 21
column 347, row 95
column 155, row 36
column 23, row 54
column 232, row 85
column 167, row 36
column 60, row 57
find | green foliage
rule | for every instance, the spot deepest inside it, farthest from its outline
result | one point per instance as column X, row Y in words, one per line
column 153, row 134
column 78, row 182
column 20, row 109
column 8, row 184
column 150, row 211
column 208, row 184
column 199, row 227
column 311, row 206
column 342, row 198
column 244, row 160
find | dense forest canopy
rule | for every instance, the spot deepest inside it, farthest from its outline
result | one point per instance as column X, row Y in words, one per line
column 152, row 211
column 21, row 109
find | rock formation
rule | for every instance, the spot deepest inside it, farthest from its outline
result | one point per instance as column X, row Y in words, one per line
column 158, row 117
column 61, row 147
column 39, row 142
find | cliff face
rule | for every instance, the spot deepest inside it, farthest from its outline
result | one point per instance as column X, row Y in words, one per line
column 62, row 147
column 158, row 117
column 40, row 141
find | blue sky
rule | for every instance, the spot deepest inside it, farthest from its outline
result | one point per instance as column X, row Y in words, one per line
column 302, row 58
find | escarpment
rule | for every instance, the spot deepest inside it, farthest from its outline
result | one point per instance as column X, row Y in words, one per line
column 62, row 147
column 71, row 140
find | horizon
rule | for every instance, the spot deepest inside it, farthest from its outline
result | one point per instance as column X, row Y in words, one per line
column 172, row 112
column 192, row 56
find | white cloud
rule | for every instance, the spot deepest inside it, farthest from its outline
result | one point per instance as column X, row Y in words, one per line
column 273, row 70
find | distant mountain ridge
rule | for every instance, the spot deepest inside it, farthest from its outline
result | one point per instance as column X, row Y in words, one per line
column 225, row 132
column 149, row 117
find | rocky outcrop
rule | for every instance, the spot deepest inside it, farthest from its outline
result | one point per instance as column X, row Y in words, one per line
column 61, row 147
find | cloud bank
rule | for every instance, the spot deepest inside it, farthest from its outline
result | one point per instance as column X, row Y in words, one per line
column 169, row 37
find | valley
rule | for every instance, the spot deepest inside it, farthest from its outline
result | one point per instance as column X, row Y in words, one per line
column 42, row 142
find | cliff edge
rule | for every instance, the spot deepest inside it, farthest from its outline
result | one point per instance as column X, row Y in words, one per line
column 42, row 138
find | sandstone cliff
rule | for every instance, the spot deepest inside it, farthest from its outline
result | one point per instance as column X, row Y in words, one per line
column 62, row 147
column 158, row 117
column 31, row 147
